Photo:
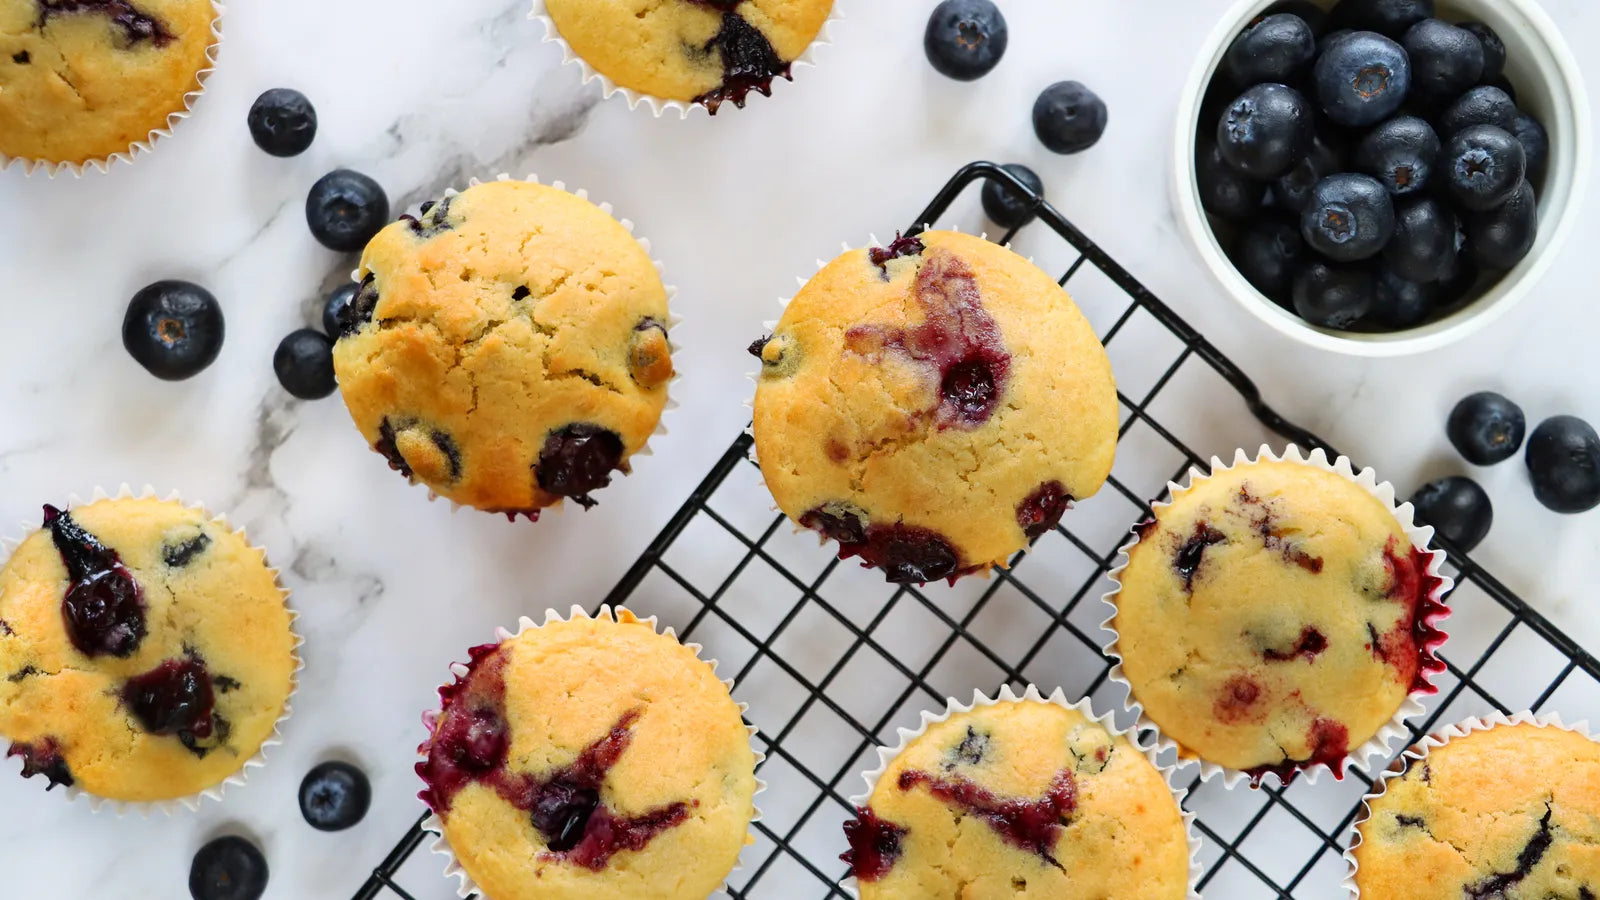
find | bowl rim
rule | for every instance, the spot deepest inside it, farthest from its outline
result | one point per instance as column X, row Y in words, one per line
column 1566, row 87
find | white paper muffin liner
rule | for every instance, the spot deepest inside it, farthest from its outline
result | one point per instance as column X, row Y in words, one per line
column 193, row 801
column 1419, row 752
column 1359, row 757
column 466, row 887
column 660, row 105
column 673, row 321
column 138, row 148
column 1031, row 694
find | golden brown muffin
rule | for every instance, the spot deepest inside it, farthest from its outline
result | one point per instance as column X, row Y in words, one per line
column 82, row 80
column 1020, row 799
column 699, row 51
column 591, row 759
column 146, row 650
column 932, row 405
column 1274, row 616
column 1511, row 813
column 508, row 349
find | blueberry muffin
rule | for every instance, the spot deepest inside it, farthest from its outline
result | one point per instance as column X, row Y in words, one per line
column 508, row 348
column 146, row 650
column 1511, row 813
column 1274, row 616
column 693, row 51
column 82, row 80
column 932, row 405
column 1022, row 798
column 592, row 759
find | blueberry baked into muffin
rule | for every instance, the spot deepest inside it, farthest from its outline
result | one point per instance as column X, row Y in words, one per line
column 1022, row 798
column 508, row 348
column 1510, row 813
column 145, row 650
column 82, row 80
column 694, row 51
column 592, row 759
column 1274, row 616
column 932, row 405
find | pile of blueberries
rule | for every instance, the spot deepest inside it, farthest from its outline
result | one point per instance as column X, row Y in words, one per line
column 1367, row 166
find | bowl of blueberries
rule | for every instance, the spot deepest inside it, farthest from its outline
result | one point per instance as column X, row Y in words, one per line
column 1381, row 177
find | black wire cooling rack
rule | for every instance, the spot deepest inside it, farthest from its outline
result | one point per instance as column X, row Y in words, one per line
column 832, row 660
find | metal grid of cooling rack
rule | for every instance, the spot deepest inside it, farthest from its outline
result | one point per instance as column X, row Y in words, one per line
column 832, row 660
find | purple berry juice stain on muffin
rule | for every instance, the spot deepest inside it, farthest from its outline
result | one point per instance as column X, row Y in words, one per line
column 1032, row 824
column 1410, row 646
column 1265, row 521
column 43, row 757
column 1500, row 884
column 1191, row 553
column 649, row 354
column 875, row 845
column 1043, row 509
column 179, row 554
column 902, row 246
column 577, row 460
column 470, row 738
column 451, row 453
column 1309, row 645
column 174, row 699
column 749, row 62
column 1237, row 701
column 136, row 25
column 389, row 449
column 1330, row 743
column 973, row 749
column 104, row 606
column 907, row 554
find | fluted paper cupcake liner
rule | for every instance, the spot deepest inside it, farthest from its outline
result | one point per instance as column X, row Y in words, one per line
column 661, row 105
column 673, row 321
column 193, row 801
column 1434, row 612
column 1031, row 694
column 1419, row 751
column 466, row 887
column 138, row 148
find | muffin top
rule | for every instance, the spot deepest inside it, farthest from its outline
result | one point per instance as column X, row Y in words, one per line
column 508, row 349
column 81, row 80
column 699, row 51
column 146, row 650
column 1021, row 796
column 591, row 758
column 1274, row 616
column 932, row 405
column 1511, row 813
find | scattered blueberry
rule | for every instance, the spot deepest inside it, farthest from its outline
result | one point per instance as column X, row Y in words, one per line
column 1483, row 105
column 283, row 122
column 174, row 329
column 965, row 38
column 1362, row 78
column 334, row 796
column 304, row 364
column 1564, row 464
column 1445, row 59
column 228, row 868
column 1291, row 191
column 1401, row 153
column 1501, row 237
column 345, row 209
column 1426, row 240
column 1399, row 304
column 1068, row 117
column 1268, row 254
column 1535, row 143
column 1494, row 50
column 1486, row 428
column 1334, row 296
column 1457, row 508
column 1224, row 191
column 1484, row 167
column 1350, row 217
column 1389, row 17
column 1278, row 48
column 1266, row 130
column 336, row 305
column 1004, row 205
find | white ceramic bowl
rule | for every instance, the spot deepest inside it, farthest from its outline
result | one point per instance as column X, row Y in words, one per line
column 1549, row 87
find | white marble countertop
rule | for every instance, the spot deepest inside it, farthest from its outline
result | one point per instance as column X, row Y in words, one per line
column 423, row 95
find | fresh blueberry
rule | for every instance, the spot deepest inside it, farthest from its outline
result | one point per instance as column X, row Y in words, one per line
column 1457, row 508
column 334, row 796
column 283, row 122
column 1483, row 105
column 1399, row 304
column 345, row 209
column 1266, row 130
column 1333, row 296
column 1362, row 79
column 1309, row 12
column 1494, row 50
column 1535, row 143
column 1564, row 464
column 336, row 305
column 1501, row 237
column 228, row 868
column 1291, row 191
column 1484, row 167
column 1426, row 240
column 1445, row 59
column 1068, row 117
column 1401, row 153
column 304, row 364
column 1329, row 40
column 174, row 329
column 1268, row 254
column 1225, row 192
column 1278, row 48
column 965, row 38
column 1350, row 217
column 1460, row 281
column 1007, row 207
column 1388, row 17
column 1486, row 428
